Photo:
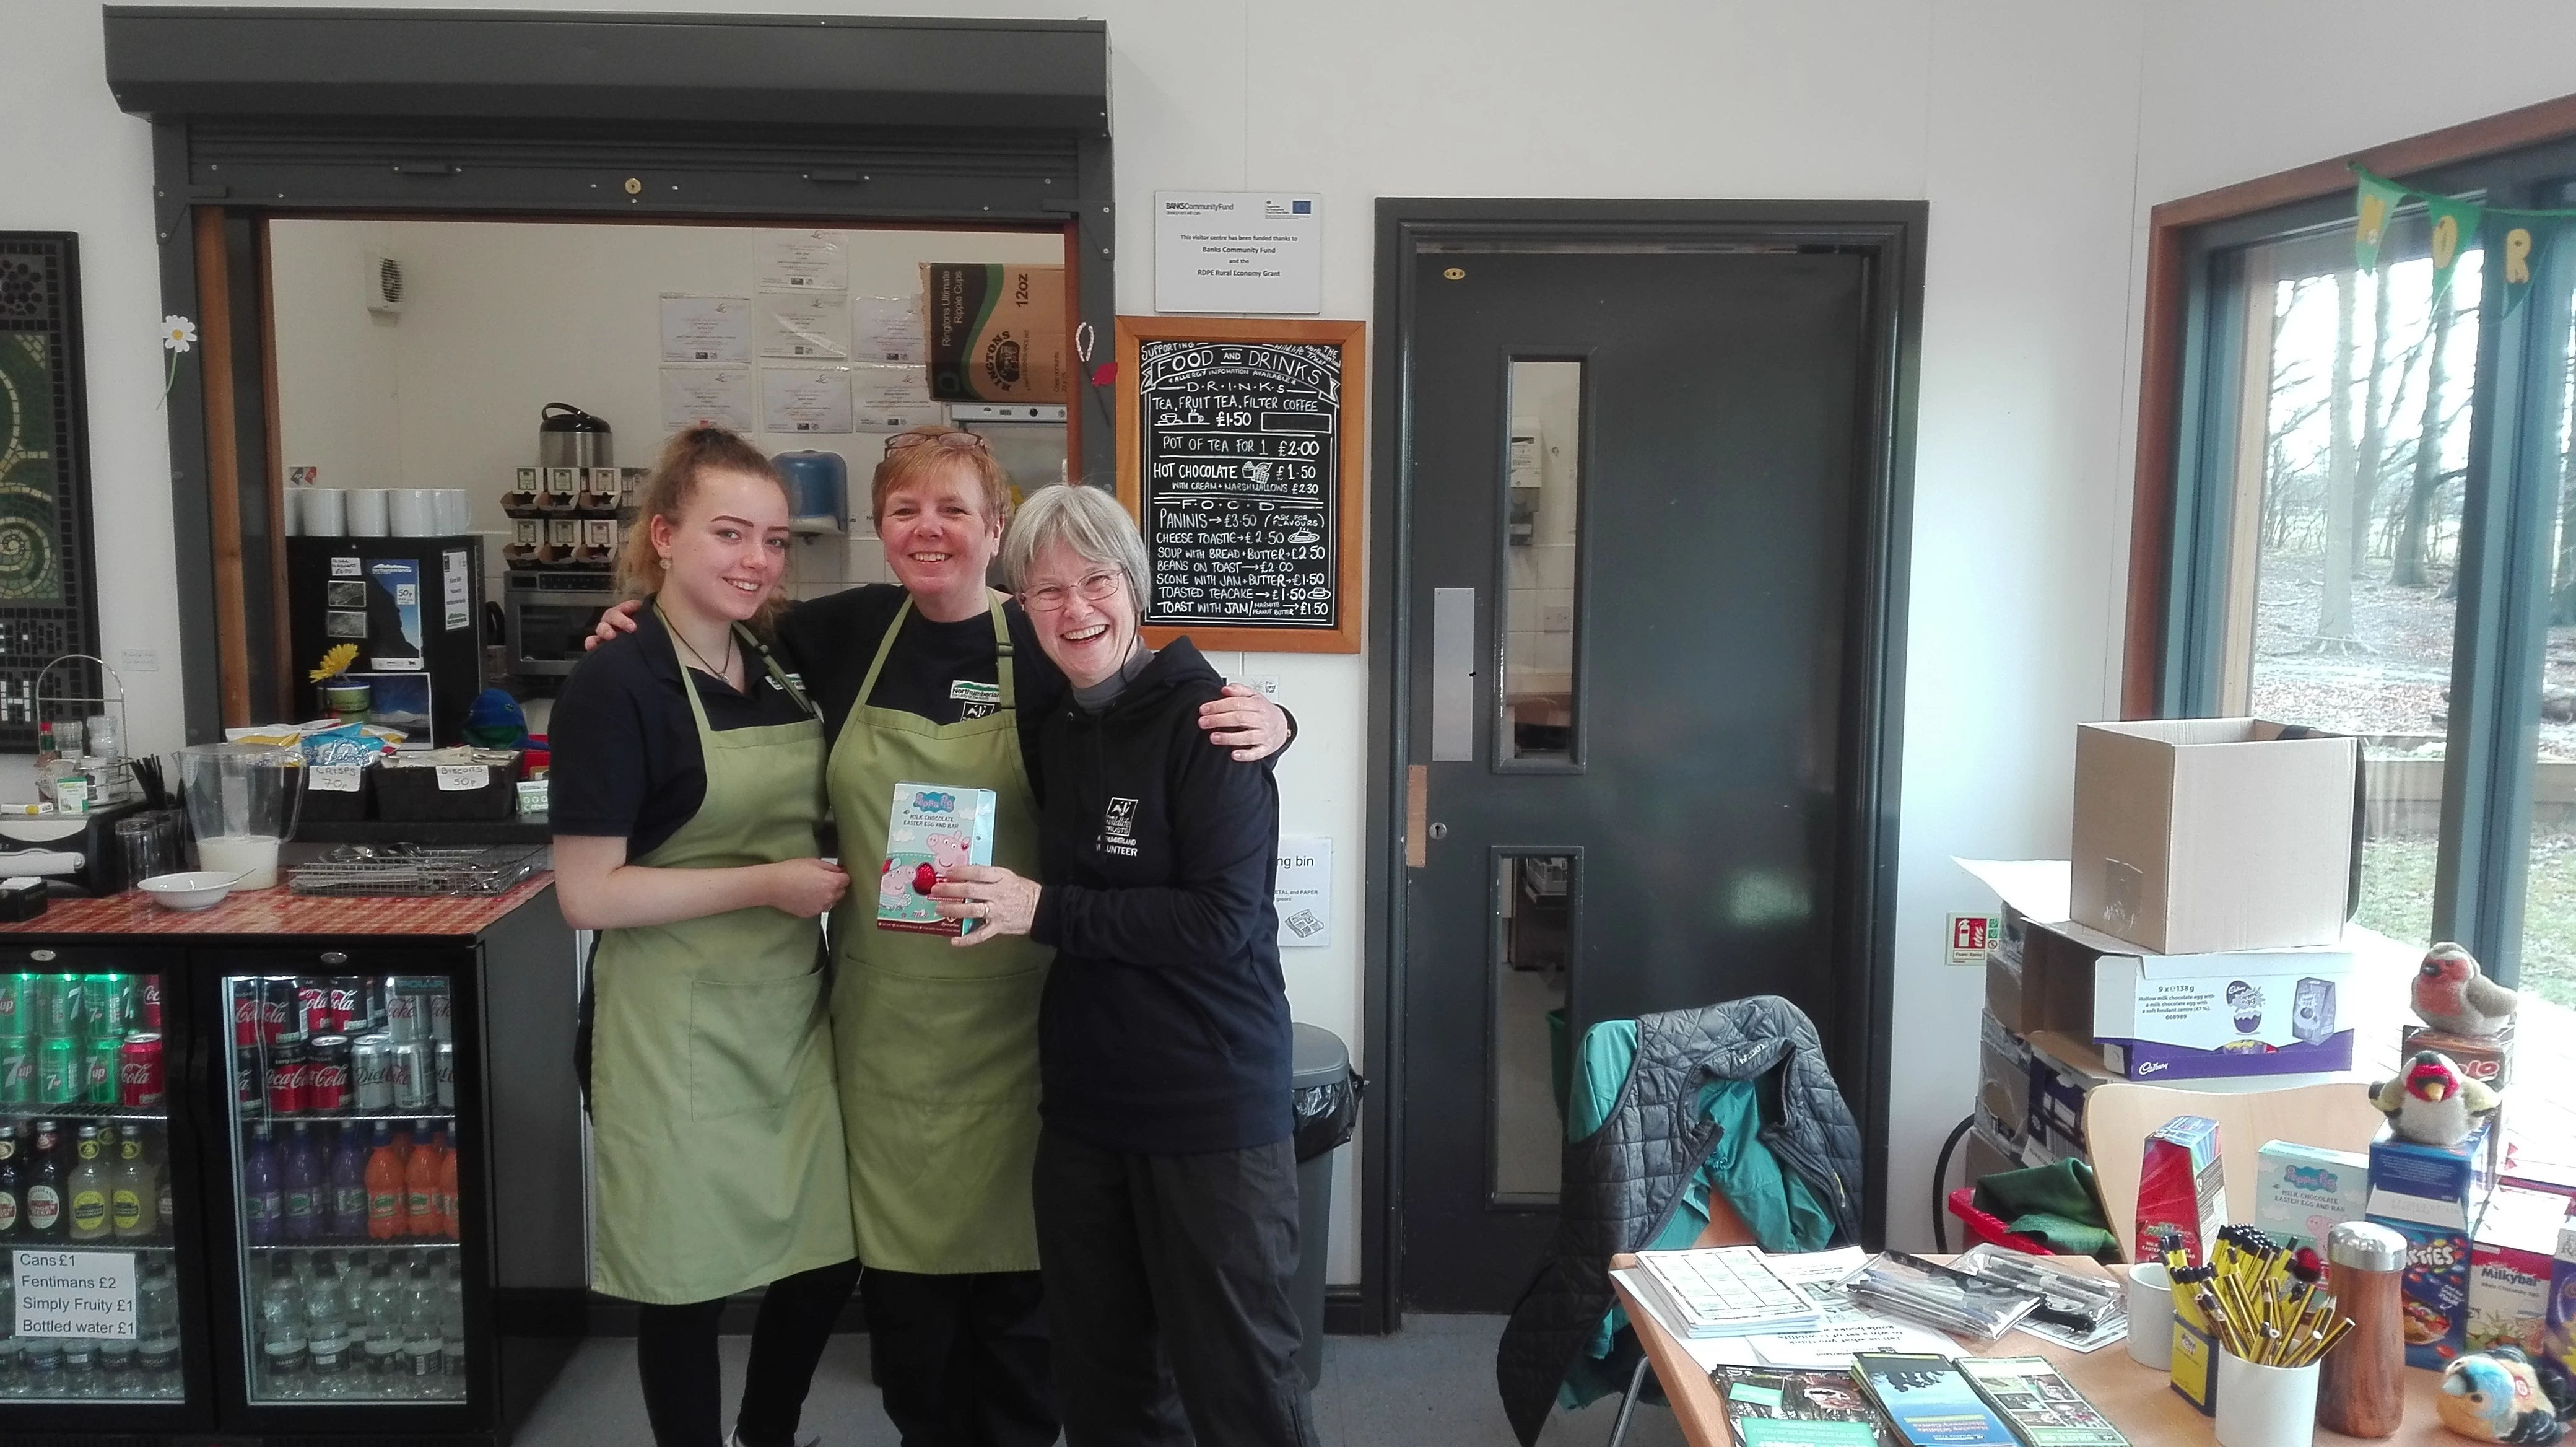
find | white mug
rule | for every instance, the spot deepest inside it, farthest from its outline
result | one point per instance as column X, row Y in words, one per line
column 324, row 512
column 2265, row 1406
column 368, row 512
column 454, row 507
column 2151, row 1315
column 412, row 512
column 290, row 512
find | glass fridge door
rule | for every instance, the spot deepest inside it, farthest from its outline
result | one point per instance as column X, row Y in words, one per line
column 89, row 1297
column 344, row 1157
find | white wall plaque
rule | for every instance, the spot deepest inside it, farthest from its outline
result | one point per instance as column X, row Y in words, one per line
column 1257, row 252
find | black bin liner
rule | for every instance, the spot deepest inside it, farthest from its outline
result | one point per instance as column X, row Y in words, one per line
column 1326, row 1114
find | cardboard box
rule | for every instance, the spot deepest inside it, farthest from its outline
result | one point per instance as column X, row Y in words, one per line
column 2057, row 1092
column 996, row 333
column 2305, row 1191
column 1984, row 1156
column 2195, row 836
column 2510, row 1257
column 2434, row 1196
column 2003, row 1077
column 2487, row 1059
column 931, row 829
column 2558, row 1336
column 2182, row 1188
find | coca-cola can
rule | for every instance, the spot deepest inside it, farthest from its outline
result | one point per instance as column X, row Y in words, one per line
column 326, row 1078
column 313, row 1007
column 414, row 1079
column 138, row 1072
column 148, row 1016
column 442, row 1017
column 289, row 1073
column 281, row 1015
column 348, row 1014
column 249, row 996
column 371, row 1080
column 402, row 1011
column 446, row 1068
column 250, row 1083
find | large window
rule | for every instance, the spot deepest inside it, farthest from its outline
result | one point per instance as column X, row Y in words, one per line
column 2375, row 532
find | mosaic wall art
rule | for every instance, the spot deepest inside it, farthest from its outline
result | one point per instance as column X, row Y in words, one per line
column 46, row 607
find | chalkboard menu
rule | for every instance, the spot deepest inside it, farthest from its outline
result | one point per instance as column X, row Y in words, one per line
column 1243, row 479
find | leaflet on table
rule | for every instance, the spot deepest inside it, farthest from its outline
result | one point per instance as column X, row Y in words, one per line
column 1847, row 1329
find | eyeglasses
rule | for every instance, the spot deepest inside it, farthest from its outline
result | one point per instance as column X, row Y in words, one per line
column 1096, row 587
column 953, row 441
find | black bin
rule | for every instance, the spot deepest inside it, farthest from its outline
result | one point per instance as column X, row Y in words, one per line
column 1325, row 1097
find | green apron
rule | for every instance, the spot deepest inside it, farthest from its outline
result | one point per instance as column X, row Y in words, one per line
column 937, row 1045
column 716, row 1135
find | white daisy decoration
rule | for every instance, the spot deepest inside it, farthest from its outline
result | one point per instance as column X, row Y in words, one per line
column 178, row 334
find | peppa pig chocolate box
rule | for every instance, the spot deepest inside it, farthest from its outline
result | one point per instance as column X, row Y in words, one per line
column 931, row 829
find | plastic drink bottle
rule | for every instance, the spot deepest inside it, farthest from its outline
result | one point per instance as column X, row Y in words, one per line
column 281, row 1330
column 451, row 1326
column 304, row 1182
column 451, row 1211
column 420, row 1184
column 326, row 1331
column 423, row 1344
column 384, row 1330
column 263, row 1202
column 348, row 1186
column 156, row 1331
column 385, row 1205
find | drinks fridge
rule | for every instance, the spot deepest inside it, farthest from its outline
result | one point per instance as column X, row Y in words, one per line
column 269, row 1188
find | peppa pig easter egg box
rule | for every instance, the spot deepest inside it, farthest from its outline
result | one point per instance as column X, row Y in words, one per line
column 931, row 829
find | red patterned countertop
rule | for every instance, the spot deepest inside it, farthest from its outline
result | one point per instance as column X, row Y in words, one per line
column 280, row 912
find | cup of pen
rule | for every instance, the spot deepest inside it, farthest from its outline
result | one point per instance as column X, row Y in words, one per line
column 2272, row 1321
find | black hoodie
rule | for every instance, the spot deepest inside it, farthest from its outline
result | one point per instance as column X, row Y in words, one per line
column 1164, row 1029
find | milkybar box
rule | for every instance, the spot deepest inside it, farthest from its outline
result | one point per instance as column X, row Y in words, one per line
column 2303, row 1192
column 2509, row 1269
column 931, row 829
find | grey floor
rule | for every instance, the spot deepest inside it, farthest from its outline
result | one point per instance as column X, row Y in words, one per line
column 1430, row 1385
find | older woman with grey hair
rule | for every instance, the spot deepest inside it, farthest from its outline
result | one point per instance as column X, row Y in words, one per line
column 1166, row 1186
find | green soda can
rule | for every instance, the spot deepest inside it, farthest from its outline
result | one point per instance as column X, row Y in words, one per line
column 98, row 1069
column 58, row 1006
column 17, row 1069
column 17, row 1005
column 58, row 1070
column 98, row 1006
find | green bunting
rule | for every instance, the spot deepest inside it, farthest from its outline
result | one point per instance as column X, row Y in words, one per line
column 2455, row 228
column 2376, row 203
column 2513, row 242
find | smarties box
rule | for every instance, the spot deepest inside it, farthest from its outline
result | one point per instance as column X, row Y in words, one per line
column 931, row 829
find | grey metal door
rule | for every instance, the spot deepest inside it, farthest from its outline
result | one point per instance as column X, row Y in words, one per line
column 1640, row 581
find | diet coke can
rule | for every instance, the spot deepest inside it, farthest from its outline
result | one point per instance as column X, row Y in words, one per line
column 138, row 1072
column 446, row 1068
column 402, row 1010
column 414, row 1079
column 148, row 1017
column 326, row 1079
column 289, row 1074
column 371, row 1081
column 442, row 1017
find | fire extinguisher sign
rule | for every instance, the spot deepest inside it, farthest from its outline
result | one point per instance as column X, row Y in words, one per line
column 1970, row 936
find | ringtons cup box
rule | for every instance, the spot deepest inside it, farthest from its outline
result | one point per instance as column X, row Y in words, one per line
column 2509, row 1269
column 2201, row 835
column 931, row 829
column 2305, row 1191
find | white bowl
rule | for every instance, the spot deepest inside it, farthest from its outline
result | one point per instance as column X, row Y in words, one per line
column 196, row 889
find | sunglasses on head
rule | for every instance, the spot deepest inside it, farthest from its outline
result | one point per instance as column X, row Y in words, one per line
column 954, row 441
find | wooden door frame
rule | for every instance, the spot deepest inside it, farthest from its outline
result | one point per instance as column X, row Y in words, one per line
column 1891, row 233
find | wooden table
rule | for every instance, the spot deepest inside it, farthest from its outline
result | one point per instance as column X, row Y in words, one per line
column 2136, row 1399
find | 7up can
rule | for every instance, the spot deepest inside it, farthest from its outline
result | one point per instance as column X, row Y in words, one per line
column 98, row 1069
column 17, row 1069
column 58, row 1070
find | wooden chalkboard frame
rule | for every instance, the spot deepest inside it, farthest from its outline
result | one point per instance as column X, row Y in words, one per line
column 1350, row 337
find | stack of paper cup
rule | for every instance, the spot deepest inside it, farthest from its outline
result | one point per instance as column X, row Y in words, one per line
column 324, row 512
column 369, row 512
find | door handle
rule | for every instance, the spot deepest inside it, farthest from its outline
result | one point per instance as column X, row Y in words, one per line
column 1453, row 675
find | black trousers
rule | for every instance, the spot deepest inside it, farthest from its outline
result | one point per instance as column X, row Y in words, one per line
column 675, row 1354
column 1167, row 1291
column 961, row 1360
